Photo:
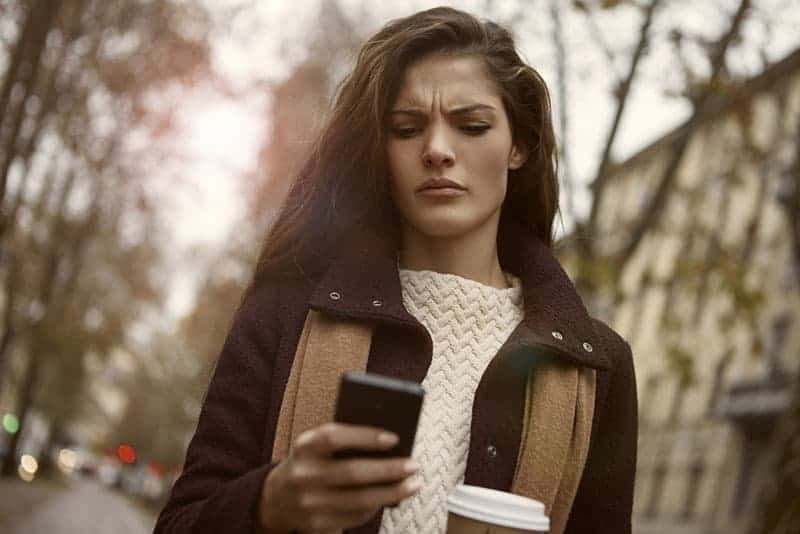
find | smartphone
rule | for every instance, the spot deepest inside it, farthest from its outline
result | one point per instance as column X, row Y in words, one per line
column 379, row 401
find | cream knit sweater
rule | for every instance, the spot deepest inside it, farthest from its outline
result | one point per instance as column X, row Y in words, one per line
column 468, row 322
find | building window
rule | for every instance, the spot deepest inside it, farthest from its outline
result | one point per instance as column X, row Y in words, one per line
column 656, row 489
column 719, row 376
column 791, row 276
column 648, row 402
column 777, row 340
column 695, row 478
column 639, row 307
column 677, row 400
column 745, row 478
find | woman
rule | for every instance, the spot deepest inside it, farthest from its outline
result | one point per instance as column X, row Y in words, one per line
column 426, row 207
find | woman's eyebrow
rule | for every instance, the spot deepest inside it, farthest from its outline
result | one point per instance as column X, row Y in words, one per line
column 461, row 110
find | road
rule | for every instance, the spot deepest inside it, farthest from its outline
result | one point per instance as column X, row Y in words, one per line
column 73, row 507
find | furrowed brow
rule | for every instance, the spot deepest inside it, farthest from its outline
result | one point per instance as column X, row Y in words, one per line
column 461, row 110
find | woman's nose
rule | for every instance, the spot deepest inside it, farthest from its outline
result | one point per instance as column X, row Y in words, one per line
column 437, row 152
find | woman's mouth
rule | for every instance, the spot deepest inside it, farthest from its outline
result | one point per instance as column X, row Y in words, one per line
column 442, row 192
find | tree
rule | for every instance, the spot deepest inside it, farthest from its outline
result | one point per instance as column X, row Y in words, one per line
column 166, row 390
column 76, row 276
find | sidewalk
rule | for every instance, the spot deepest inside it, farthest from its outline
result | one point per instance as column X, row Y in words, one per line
column 68, row 507
column 19, row 499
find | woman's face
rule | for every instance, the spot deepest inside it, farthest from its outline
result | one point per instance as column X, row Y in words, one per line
column 449, row 121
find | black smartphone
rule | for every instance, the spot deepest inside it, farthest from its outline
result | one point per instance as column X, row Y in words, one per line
column 379, row 401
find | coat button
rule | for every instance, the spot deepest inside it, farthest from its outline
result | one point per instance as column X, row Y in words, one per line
column 587, row 347
column 491, row 450
column 377, row 303
column 558, row 335
column 334, row 295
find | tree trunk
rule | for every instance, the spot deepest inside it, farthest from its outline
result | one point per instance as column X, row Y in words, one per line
column 48, row 105
column 8, row 324
column 27, row 152
column 12, row 277
column 30, row 378
column 42, row 22
column 62, row 252
column 587, row 230
column 601, row 177
column 17, row 54
column 47, row 468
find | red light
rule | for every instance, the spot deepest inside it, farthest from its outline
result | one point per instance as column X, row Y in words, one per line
column 157, row 469
column 126, row 454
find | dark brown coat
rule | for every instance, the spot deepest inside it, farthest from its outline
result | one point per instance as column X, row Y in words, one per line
column 229, row 454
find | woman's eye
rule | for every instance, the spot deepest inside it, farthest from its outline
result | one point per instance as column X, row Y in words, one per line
column 404, row 132
column 475, row 129
column 470, row 129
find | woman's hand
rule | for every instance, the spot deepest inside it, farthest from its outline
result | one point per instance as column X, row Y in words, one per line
column 311, row 491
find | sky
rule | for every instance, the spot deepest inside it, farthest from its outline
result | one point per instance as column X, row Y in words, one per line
column 221, row 136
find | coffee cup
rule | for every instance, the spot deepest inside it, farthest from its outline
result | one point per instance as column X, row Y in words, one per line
column 478, row 510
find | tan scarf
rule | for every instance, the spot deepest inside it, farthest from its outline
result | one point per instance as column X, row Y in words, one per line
column 554, row 443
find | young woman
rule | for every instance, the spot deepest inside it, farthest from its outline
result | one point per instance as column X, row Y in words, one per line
column 426, row 209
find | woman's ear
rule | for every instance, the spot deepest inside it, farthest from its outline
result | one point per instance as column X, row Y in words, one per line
column 517, row 158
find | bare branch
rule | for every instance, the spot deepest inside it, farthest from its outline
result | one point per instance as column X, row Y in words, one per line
column 561, row 76
column 599, row 182
column 651, row 214
column 597, row 35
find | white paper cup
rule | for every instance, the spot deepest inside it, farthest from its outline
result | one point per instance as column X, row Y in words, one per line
column 471, row 509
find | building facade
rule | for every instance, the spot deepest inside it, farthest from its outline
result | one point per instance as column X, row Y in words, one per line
column 710, row 302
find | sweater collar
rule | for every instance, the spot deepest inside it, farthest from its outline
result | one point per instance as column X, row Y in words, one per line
column 362, row 282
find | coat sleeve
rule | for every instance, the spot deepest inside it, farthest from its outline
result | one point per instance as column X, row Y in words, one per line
column 219, row 488
column 604, row 502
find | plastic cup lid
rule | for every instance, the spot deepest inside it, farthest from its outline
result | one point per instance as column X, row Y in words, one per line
column 498, row 508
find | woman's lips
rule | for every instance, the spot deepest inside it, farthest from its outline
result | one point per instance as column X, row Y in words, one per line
column 442, row 192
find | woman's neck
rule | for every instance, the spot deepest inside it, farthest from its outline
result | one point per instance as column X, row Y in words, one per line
column 473, row 255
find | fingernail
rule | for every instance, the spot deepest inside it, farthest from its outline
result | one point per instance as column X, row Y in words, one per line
column 387, row 438
column 411, row 466
column 415, row 484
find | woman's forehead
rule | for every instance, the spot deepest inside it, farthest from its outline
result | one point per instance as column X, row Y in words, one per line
column 446, row 82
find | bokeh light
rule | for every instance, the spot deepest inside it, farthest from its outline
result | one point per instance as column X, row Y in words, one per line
column 11, row 423
column 29, row 464
column 67, row 460
column 126, row 453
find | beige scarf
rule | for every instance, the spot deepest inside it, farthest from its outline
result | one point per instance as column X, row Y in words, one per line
column 554, row 443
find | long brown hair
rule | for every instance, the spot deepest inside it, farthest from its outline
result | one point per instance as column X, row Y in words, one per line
column 345, row 180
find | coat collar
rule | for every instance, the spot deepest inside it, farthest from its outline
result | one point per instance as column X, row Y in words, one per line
column 362, row 281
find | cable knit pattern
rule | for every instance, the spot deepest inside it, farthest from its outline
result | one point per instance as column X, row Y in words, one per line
column 468, row 322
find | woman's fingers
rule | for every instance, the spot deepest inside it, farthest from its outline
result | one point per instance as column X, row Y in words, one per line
column 313, row 491
column 352, row 472
column 331, row 437
column 362, row 472
column 361, row 499
column 333, row 494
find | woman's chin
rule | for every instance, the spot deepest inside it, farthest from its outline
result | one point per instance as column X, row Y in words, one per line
column 443, row 228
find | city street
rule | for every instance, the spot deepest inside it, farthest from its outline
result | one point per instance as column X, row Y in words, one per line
column 69, row 507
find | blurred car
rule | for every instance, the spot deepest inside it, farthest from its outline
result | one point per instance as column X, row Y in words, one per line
column 143, row 481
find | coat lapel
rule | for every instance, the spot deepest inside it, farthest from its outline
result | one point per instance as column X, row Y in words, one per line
column 363, row 282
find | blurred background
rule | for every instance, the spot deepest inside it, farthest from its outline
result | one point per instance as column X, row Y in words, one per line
column 145, row 146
